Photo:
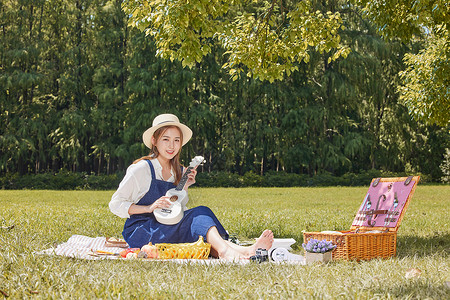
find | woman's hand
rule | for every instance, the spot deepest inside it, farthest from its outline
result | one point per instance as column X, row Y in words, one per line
column 162, row 202
column 191, row 178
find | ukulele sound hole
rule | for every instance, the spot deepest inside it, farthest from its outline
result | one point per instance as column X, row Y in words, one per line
column 173, row 198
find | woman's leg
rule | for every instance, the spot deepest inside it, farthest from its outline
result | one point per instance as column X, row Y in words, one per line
column 219, row 247
column 265, row 241
column 224, row 249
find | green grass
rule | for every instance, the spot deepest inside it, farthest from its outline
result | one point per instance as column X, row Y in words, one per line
column 42, row 219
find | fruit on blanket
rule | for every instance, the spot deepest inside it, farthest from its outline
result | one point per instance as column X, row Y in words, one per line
column 125, row 252
column 131, row 255
column 199, row 242
column 150, row 250
column 146, row 249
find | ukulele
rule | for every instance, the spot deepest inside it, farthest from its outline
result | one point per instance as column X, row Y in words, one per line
column 178, row 196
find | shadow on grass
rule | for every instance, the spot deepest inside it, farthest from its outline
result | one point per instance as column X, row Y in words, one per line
column 411, row 245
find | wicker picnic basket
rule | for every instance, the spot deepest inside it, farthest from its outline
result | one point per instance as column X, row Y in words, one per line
column 373, row 233
column 196, row 250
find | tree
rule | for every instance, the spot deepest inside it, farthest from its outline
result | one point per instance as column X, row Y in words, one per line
column 426, row 80
column 23, row 110
column 109, row 80
column 266, row 37
column 406, row 19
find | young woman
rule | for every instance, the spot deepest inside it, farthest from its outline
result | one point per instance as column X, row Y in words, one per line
column 143, row 190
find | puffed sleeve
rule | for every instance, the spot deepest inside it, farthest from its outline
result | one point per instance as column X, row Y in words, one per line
column 132, row 188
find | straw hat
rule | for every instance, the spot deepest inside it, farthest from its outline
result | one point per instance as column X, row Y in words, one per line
column 166, row 120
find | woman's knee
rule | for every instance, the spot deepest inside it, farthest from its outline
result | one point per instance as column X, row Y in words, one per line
column 203, row 210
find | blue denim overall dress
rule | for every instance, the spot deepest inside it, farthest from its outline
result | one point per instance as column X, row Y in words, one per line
column 140, row 229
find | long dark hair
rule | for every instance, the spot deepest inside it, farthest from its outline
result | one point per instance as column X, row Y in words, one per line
column 154, row 153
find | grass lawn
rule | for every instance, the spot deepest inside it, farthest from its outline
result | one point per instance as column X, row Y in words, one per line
column 41, row 219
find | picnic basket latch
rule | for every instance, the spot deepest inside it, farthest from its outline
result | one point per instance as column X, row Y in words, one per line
column 408, row 180
column 376, row 182
column 340, row 240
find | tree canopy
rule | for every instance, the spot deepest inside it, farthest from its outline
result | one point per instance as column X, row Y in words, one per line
column 266, row 39
column 426, row 81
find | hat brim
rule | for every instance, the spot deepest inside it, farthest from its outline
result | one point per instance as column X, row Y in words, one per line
column 185, row 131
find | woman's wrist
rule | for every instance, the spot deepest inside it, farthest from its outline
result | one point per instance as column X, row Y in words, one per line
column 140, row 209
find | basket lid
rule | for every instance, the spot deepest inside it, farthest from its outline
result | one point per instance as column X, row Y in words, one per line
column 385, row 203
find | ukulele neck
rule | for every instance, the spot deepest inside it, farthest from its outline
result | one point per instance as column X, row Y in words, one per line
column 183, row 179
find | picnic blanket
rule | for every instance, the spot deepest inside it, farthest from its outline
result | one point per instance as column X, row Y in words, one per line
column 84, row 247
column 80, row 246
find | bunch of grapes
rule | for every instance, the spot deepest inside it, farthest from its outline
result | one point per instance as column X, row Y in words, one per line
column 317, row 246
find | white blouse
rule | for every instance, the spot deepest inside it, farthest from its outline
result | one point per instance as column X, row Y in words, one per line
column 135, row 185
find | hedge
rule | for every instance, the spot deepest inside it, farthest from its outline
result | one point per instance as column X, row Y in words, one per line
column 81, row 181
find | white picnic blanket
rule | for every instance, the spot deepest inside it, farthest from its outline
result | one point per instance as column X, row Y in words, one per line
column 84, row 247
column 80, row 246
